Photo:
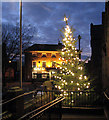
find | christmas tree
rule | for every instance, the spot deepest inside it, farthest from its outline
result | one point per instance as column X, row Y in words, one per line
column 71, row 74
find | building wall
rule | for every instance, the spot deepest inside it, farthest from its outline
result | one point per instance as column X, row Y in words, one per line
column 51, row 56
column 96, row 58
column 105, row 50
column 100, row 48
column 34, row 64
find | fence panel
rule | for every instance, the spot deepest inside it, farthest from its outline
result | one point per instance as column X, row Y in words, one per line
column 83, row 99
column 34, row 99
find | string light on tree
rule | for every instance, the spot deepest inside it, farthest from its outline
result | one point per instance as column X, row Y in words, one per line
column 72, row 75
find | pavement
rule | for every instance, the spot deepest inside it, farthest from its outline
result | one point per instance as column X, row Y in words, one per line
column 83, row 114
column 83, row 117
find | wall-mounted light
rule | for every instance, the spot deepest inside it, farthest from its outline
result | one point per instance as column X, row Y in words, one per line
column 9, row 61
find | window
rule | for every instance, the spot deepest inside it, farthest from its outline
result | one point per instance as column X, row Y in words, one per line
column 44, row 55
column 34, row 64
column 53, row 56
column 9, row 73
column 53, row 64
column 34, row 55
column 34, row 75
column 43, row 64
column 39, row 76
column 39, row 54
column 48, row 54
column 44, row 75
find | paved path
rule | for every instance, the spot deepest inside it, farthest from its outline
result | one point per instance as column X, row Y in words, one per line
column 83, row 114
column 83, row 117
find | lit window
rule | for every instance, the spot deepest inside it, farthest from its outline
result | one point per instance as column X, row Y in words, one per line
column 48, row 54
column 34, row 55
column 44, row 55
column 53, row 64
column 53, row 56
column 44, row 75
column 39, row 54
column 43, row 64
column 34, row 64
column 34, row 75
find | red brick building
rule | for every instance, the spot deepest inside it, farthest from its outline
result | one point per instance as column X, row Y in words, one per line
column 40, row 61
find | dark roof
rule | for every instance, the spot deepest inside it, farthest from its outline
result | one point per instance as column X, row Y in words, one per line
column 44, row 47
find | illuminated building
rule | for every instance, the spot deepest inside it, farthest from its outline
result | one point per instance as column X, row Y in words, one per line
column 40, row 61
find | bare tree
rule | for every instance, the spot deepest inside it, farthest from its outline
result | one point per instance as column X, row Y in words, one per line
column 11, row 43
column 11, row 38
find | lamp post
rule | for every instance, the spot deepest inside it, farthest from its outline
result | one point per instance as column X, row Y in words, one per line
column 79, row 37
column 21, row 43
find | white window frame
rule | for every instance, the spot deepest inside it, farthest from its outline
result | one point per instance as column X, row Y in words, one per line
column 44, row 54
column 45, row 62
column 44, row 75
column 34, row 76
column 32, row 64
column 52, row 63
column 53, row 54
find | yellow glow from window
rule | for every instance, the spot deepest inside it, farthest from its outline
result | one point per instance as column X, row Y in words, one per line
column 35, row 69
column 48, row 65
column 43, row 68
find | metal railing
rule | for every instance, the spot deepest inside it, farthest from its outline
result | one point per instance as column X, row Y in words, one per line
column 24, row 104
column 83, row 99
column 106, row 96
column 37, row 112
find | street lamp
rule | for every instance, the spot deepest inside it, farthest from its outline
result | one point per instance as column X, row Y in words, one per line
column 79, row 37
column 21, row 43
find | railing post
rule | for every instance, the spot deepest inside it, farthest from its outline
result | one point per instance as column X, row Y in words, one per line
column 49, row 96
column 106, row 103
column 52, row 94
column 71, row 98
column 44, row 96
column 41, row 97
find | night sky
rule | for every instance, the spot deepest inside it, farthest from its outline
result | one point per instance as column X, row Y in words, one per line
column 47, row 18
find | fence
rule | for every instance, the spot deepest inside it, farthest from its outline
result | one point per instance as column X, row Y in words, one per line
column 83, row 99
column 27, row 102
column 20, row 104
column 46, row 112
